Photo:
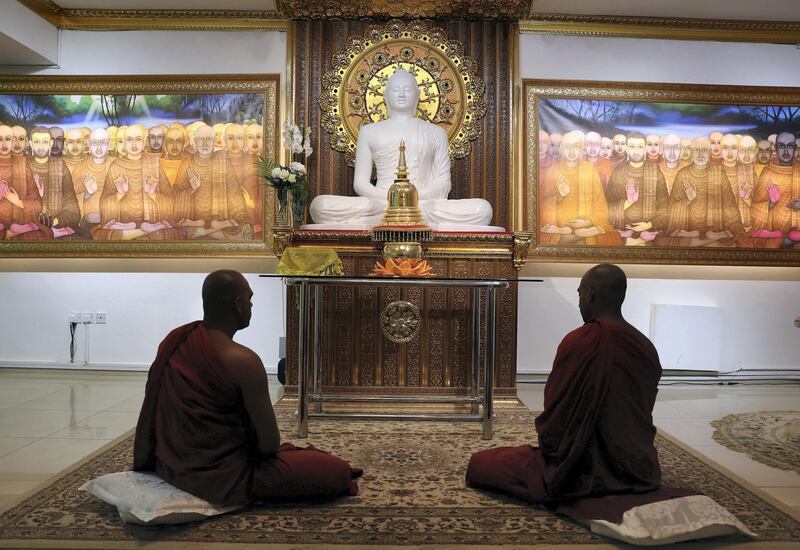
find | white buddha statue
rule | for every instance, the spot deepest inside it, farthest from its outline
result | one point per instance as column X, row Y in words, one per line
column 428, row 160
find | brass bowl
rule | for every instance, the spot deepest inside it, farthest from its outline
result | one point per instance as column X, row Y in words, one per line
column 402, row 250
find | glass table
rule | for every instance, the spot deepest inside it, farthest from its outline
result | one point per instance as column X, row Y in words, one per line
column 309, row 378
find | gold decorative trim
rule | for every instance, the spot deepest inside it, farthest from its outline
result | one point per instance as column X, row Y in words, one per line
column 266, row 84
column 522, row 244
column 401, row 321
column 411, row 9
column 185, row 20
column 451, row 93
column 642, row 91
column 664, row 28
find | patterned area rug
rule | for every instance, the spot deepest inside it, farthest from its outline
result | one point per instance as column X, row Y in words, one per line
column 412, row 493
column 770, row 437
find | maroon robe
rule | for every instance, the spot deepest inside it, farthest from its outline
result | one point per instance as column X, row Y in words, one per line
column 195, row 433
column 596, row 432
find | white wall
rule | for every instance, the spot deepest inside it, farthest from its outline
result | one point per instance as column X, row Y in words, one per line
column 758, row 313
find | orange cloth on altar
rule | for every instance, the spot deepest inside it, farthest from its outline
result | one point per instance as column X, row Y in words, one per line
column 136, row 205
column 195, row 433
column 91, row 203
column 17, row 174
column 586, row 200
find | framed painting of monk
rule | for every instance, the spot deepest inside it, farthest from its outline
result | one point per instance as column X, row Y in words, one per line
column 136, row 166
column 662, row 173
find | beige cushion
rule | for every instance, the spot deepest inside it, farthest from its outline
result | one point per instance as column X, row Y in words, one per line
column 146, row 499
column 674, row 520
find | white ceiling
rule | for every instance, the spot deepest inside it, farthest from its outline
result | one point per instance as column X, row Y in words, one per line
column 259, row 5
column 752, row 10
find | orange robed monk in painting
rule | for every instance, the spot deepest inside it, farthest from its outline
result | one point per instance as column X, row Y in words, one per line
column 20, row 200
column 207, row 425
column 596, row 456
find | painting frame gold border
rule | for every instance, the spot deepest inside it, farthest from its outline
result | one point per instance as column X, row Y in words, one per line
column 267, row 84
column 535, row 89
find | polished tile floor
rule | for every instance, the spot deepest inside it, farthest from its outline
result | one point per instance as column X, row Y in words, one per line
column 51, row 419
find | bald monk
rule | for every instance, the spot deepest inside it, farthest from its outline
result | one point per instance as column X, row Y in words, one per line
column 606, row 147
column 653, row 148
column 175, row 142
column 20, row 201
column 244, row 164
column 763, row 156
column 619, row 155
column 591, row 148
column 20, row 141
column 574, row 208
column 715, row 138
column 670, row 159
column 73, row 146
column 207, row 425
column 596, row 432
column 89, row 177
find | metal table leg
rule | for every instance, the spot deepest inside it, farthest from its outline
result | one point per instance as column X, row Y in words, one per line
column 488, row 368
column 316, row 331
column 475, row 326
column 302, row 363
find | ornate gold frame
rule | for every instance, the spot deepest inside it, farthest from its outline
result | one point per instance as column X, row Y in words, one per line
column 266, row 84
column 533, row 90
column 451, row 92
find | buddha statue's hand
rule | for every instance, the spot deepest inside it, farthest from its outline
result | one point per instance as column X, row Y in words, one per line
column 194, row 179
column 151, row 184
column 563, row 186
column 745, row 191
column 648, row 235
column 579, row 223
column 121, row 183
column 690, row 190
column 773, row 192
column 631, row 191
column 13, row 198
column 39, row 185
column 765, row 234
column 794, row 235
column 90, row 184
column 640, row 226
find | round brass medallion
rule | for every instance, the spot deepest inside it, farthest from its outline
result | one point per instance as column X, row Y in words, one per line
column 400, row 321
column 451, row 93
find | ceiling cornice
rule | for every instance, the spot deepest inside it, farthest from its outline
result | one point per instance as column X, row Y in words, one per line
column 664, row 28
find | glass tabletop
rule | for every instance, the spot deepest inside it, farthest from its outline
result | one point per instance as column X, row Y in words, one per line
column 371, row 279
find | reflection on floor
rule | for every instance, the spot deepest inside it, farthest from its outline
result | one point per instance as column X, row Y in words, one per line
column 51, row 419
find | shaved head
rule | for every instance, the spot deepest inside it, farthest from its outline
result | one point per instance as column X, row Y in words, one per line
column 226, row 299
column 602, row 290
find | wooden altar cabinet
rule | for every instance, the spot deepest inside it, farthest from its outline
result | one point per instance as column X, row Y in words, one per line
column 358, row 359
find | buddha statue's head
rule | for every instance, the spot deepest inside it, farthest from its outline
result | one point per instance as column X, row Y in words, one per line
column 6, row 141
column 671, row 149
column 606, row 147
column 98, row 145
column 401, row 94
column 635, row 147
column 56, row 141
column 572, row 147
column 785, row 146
column 219, row 136
column 653, row 147
column 41, row 142
column 234, row 138
column 591, row 145
column 204, row 141
column 155, row 139
column 686, row 149
column 730, row 150
column 119, row 141
column 701, row 151
column 254, row 139
column 20, row 140
column 620, row 142
column 715, row 140
column 74, row 144
column 747, row 150
column 764, row 151
column 174, row 142
column 134, row 141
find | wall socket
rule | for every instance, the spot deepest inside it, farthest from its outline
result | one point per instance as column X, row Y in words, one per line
column 100, row 317
column 88, row 317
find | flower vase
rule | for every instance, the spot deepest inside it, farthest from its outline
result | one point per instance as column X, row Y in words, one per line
column 283, row 210
column 298, row 207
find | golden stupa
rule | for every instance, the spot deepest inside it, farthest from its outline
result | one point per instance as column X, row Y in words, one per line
column 402, row 227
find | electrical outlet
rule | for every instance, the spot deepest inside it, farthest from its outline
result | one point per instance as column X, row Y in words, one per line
column 88, row 318
column 74, row 317
column 100, row 317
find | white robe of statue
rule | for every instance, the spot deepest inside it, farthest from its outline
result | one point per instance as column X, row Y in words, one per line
column 428, row 161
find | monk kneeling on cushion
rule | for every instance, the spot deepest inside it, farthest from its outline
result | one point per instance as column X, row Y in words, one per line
column 596, row 457
column 207, row 425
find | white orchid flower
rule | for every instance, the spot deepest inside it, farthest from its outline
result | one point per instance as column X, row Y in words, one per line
column 298, row 168
column 276, row 172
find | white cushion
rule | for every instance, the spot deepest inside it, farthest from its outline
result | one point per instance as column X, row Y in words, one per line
column 147, row 499
column 670, row 521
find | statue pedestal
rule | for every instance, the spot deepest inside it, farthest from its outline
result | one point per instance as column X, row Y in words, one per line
column 358, row 359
